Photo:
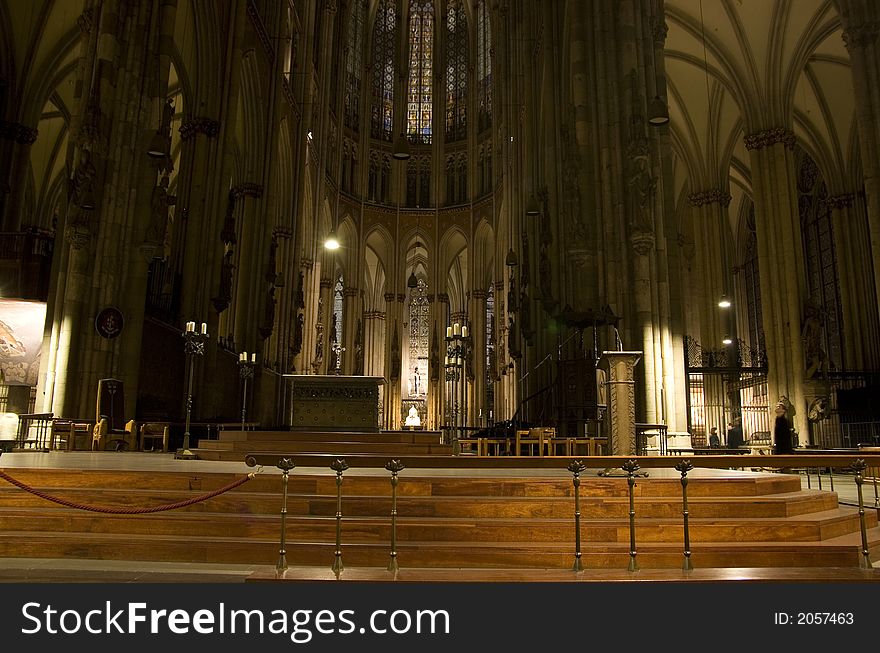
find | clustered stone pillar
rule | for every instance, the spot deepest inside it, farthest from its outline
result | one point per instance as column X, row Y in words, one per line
column 780, row 264
column 861, row 26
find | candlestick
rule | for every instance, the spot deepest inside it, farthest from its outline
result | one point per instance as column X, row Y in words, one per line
column 464, row 332
column 204, row 328
column 449, row 332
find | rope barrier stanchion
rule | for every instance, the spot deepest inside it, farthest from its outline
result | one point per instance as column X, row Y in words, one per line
column 125, row 511
column 339, row 466
column 577, row 468
column 395, row 467
column 858, row 467
column 285, row 465
column 684, row 467
column 631, row 467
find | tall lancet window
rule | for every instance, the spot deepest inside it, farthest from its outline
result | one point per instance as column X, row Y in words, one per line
column 484, row 66
column 354, row 64
column 419, row 332
column 336, row 327
column 821, row 319
column 384, row 37
column 419, row 110
column 456, row 71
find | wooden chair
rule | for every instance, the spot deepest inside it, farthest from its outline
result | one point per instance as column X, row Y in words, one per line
column 537, row 437
column 153, row 432
column 110, row 424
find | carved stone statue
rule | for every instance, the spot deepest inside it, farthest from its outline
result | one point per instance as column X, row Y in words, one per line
column 816, row 359
column 224, row 294
column 641, row 186
column 82, row 179
column 159, row 216
column 298, row 334
column 359, row 350
column 268, row 313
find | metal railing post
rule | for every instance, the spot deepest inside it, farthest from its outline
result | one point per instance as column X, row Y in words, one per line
column 339, row 466
column 395, row 467
column 285, row 465
column 631, row 467
column 577, row 467
column 858, row 467
column 684, row 467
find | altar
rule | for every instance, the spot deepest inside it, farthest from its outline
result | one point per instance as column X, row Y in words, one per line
column 318, row 402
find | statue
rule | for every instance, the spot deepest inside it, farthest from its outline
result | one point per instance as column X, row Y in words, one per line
column 268, row 314
column 435, row 356
column 815, row 357
column 641, row 185
column 359, row 350
column 298, row 334
column 167, row 117
column 159, row 218
column 81, row 182
column 413, row 419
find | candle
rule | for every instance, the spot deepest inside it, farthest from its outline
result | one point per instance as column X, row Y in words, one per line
column 204, row 328
column 464, row 331
column 190, row 326
column 456, row 329
column 254, row 357
column 448, row 332
column 458, row 361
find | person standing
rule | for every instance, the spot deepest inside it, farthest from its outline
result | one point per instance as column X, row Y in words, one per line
column 782, row 436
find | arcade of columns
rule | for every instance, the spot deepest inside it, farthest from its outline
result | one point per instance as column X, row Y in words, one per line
column 256, row 169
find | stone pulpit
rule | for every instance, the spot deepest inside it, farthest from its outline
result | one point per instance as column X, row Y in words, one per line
column 621, row 398
column 331, row 402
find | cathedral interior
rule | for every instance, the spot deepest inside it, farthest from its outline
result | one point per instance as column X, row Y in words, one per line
column 514, row 186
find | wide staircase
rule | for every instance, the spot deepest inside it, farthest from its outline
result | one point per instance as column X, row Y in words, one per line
column 233, row 445
column 455, row 519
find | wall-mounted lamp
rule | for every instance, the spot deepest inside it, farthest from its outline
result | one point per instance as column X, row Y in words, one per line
column 727, row 340
column 658, row 112
column 88, row 200
column 511, row 260
column 413, row 281
column 158, row 148
column 401, row 148
column 724, row 302
column 532, row 206
column 332, row 242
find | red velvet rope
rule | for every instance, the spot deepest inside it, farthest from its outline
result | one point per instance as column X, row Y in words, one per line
column 125, row 511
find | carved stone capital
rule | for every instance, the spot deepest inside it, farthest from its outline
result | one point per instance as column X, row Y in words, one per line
column 861, row 35
column 195, row 125
column 326, row 283
column 401, row 297
column 642, row 242
column 659, row 29
column 349, row 291
column 247, row 189
column 14, row 131
column 389, row 297
column 767, row 137
column 78, row 236
column 844, row 201
column 478, row 294
column 307, row 264
column 443, row 298
column 709, row 197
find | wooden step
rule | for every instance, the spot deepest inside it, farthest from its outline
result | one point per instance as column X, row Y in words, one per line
column 338, row 448
column 401, row 437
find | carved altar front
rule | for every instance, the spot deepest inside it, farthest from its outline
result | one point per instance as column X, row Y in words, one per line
column 332, row 402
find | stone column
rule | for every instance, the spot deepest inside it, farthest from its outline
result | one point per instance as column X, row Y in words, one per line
column 477, row 332
column 861, row 25
column 620, row 393
column 16, row 150
column 351, row 315
column 248, row 286
column 643, row 244
column 781, row 265
column 861, row 335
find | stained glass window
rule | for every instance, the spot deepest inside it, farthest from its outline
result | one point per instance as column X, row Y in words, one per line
column 419, row 333
column 384, row 31
column 484, row 66
column 421, row 62
column 456, row 71
column 354, row 64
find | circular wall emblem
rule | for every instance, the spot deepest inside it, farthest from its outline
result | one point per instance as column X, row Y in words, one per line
column 109, row 322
